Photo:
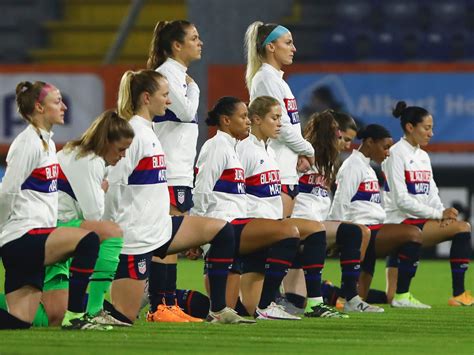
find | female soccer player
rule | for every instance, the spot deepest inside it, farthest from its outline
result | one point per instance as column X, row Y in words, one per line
column 81, row 204
column 174, row 46
column 220, row 192
column 411, row 197
column 138, row 200
column 270, row 47
column 314, row 203
column 29, row 239
column 262, row 181
column 357, row 199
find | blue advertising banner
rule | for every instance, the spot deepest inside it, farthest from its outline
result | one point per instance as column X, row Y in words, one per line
column 370, row 98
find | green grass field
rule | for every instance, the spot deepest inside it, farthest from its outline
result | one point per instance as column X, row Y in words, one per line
column 441, row 330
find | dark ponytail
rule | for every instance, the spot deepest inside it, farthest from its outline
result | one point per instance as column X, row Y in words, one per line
column 409, row 114
column 224, row 106
column 374, row 131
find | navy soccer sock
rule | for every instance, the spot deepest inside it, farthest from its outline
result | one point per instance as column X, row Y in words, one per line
column 8, row 321
column 193, row 303
column 459, row 258
column 81, row 269
column 170, row 286
column 157, row 284
column 408, row 255
column 348, row 239
column 278, row 261
column 218, row 261
column 312, row 261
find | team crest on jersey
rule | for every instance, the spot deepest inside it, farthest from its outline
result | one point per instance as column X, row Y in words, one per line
column 181, row 196
column 142, row 267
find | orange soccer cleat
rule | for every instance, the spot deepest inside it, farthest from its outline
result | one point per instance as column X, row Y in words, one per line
column 164, row 314
column 464, row 299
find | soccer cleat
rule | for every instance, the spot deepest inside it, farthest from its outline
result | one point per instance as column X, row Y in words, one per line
column 356, row 304
column 464, row 299
column 81, row 321
column 323, row 311
column 288, row 306
column 340, row 302
column 227, row 316
column 406, row 300
column 274, row 312
column 105, row 318
column 164, row 314
column 180, row 313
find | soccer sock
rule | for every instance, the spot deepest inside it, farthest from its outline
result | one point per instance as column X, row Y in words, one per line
column 193, row 303
column 312, row 261
column 330, row 293
column 392, row 260
column 218, row 261
column 296, row 300
column 376, row 296
column 41, row 318
column 156, row 284
column 104, row 272
column 240, row 308
column 114, row 313
column 278, row 261
column 459, row 258
column 8, row 321
column 349, row 238
column 170, row 284
column 80, row 271
column 408, row 254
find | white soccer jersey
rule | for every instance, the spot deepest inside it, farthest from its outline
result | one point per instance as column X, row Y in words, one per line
column 357, row 197
column 177, row 130
column 138, row 198
column 290, row 143
column 314, row 199
column 410, row 191
column 262, row 179
column 219, row 191
column 79, row 184
column 28, row 196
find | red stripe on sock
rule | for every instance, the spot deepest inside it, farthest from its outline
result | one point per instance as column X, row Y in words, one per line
column 84, row 271
column 459, row 260
column 188, row 302
column 313, row 266
column 344, row 262
column 278, row 261
column 401, row 256
column 217, row 260
column 131, row 267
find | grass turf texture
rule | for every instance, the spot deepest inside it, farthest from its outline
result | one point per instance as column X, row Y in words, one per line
column 441, row 330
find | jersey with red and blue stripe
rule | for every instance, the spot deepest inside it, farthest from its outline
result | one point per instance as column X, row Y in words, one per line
column 314, row 200
column 138, row 198
column 28, row 194
column 262, row 179
column 219, row 190
column 410, row 190
column 357, row 197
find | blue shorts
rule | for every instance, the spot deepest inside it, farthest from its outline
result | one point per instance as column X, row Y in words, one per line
column 23, row 259
column 290, row 190
column 137, row 266
column 181, row 198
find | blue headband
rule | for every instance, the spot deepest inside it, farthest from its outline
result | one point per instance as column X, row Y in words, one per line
column 276, row 33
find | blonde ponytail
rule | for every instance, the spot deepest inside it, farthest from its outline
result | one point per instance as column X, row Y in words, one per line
column 254, row 61
column 124, row 104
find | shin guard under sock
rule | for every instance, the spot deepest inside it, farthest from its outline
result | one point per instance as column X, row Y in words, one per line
column 156, row 284
column 459, row 258
column 82, row 266
column 408, row 255
column 312, row 262
column 279, row 259
column 348, row 239
column 218, row 261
